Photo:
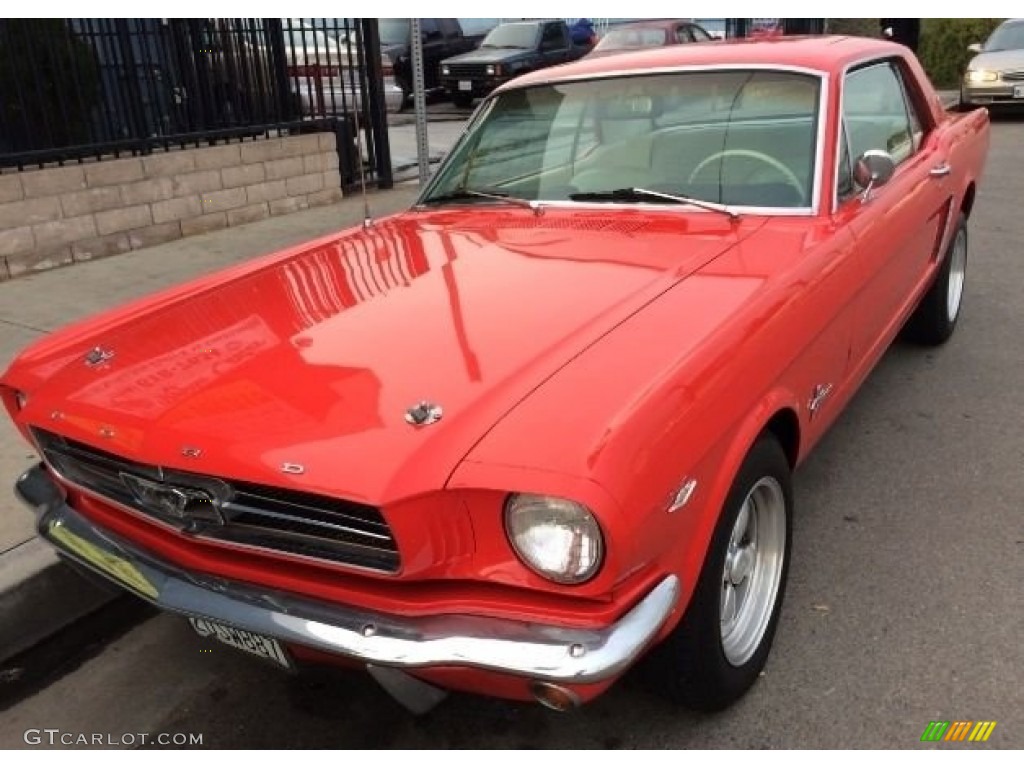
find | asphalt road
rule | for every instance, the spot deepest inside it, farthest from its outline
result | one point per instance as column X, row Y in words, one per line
column 905, row 602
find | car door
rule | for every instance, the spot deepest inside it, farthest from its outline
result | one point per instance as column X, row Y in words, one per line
column 433, row 51
column 899, row 226
column 554, row 44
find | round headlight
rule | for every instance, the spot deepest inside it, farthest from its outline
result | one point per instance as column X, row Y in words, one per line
column 557, row 538
column 445, row 69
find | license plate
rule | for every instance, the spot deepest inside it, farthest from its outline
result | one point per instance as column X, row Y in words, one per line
column 465, row 85
column 1018, row 91
column 258, row 645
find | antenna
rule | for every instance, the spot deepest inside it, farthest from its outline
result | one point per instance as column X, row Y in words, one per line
column 367, row 218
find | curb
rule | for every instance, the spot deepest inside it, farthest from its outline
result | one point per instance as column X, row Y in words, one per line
column 40, row 595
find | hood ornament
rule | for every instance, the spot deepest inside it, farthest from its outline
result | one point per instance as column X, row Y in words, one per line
column 423, row 414
column 98, row 356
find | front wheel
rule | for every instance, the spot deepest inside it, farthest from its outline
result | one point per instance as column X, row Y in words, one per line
column 718, row 649
column 462, row 99
column 935, row 318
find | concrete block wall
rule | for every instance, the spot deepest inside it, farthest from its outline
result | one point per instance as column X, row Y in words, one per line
column 58, row 216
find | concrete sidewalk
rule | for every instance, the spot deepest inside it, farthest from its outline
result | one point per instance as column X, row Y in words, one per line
column 39, row 595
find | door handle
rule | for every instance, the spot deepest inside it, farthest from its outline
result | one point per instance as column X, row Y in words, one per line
column 940, row 171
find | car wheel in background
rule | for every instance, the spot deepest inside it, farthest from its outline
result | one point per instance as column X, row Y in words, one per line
column 462, row 99
column 718, row 649
column 935, row 318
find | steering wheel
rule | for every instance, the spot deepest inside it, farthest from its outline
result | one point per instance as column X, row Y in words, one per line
column 768, row 160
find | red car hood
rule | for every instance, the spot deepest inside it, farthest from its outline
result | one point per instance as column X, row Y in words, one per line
column 312, row 356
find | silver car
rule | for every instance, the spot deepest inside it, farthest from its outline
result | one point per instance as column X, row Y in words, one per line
column 995, row 77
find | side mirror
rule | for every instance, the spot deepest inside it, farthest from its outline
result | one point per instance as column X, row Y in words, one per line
column 873, row 169
column 974, row 47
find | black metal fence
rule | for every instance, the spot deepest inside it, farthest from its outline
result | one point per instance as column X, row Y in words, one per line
column 72, row 89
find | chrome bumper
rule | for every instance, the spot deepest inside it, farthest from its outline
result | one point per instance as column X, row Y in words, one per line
column 519, row 648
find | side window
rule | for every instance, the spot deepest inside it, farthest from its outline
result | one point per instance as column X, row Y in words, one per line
column 683, row 34
column 875, row 113
column 699, row 35
column 429, row 27
column 916, row 124
column 553, row 38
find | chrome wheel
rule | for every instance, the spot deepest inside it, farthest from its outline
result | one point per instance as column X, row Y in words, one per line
column 753, row 570
column 957, row 270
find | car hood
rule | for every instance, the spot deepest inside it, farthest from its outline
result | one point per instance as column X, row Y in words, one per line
column 999, row 60
column 313, row 356
column 488, row 56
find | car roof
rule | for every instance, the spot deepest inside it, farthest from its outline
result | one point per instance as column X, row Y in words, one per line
column 828, row 53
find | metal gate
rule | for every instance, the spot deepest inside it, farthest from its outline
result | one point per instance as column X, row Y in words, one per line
column 72, row 89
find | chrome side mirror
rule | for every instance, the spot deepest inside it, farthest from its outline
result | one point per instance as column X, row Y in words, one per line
column 873, row 169
column 974, row 47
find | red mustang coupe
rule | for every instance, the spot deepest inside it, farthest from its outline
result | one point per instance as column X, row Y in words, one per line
column 543, row 425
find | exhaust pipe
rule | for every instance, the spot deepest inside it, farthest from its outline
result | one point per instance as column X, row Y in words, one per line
column 554, row 696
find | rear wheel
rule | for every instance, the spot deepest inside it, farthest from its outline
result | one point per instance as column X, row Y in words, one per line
column 935, row 318
column 718, row 649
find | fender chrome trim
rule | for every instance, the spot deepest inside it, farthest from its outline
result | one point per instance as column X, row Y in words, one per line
column 536, row 651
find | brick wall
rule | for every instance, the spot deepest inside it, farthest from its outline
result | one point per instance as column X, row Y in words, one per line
column 58, row 216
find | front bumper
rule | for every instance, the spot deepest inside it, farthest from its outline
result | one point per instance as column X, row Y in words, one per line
column 997, row 92
column 539, row 652
column 480, row 86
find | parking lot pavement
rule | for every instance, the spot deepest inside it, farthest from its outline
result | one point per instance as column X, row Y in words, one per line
column 904, row 602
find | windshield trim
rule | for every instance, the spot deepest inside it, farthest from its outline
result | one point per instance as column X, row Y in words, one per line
column 824, row 100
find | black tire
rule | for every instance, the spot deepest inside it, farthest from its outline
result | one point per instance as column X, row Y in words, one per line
column 935, row 319
column 462, row 99
column 406, row 100
column 691, row 666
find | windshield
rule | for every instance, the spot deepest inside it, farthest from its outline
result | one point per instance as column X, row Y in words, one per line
column 621, row 39
column 393, row 31
column 737, row 137
column 1008, row 37
column 511, row 36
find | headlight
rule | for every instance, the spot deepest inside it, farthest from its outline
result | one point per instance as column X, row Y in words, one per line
column 445, row 69
column 980, row 76
column 557, row 538
column 491, row 70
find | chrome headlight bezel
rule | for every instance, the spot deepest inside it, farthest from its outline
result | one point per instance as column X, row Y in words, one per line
column 577, row 526
column 980, row 76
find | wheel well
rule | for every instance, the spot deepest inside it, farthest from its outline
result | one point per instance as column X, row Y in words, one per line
column 785, row 427
column 968, row 202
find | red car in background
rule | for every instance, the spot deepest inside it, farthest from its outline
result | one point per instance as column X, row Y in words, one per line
column 545, row 423
column 649, row 34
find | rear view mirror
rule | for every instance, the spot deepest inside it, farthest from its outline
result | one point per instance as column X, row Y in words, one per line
column 974, row 47
column 873, row 169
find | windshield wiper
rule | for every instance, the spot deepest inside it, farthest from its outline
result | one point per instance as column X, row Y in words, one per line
column 639, row 195
column 465, row 193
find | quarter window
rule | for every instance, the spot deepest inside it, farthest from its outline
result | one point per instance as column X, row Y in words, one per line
column 875, row 113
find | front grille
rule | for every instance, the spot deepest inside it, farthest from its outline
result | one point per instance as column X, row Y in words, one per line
column 248, row 514
column 1014, row 76
column 466, row 70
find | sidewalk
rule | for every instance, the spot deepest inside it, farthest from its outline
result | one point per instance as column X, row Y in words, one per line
column 38, row 595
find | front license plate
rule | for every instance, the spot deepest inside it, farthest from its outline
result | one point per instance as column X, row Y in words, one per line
column 465, row 85
column 258, row 645
column 1018, row 91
